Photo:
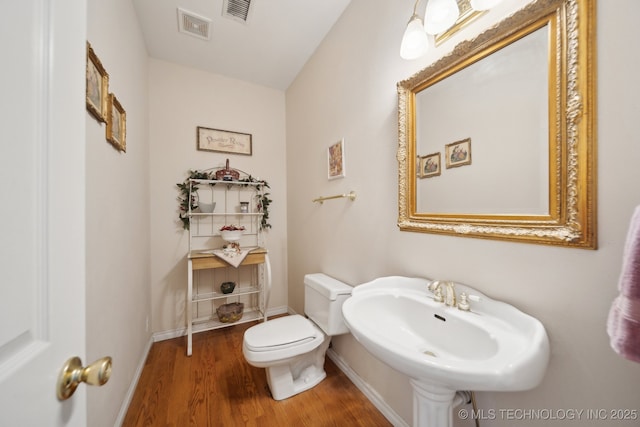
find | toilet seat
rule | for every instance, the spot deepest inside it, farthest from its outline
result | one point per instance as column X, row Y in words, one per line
column 281, row 338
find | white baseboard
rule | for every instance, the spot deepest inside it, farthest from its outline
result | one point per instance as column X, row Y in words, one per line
column 134, row 383
column 367, row 390
column 175, row 333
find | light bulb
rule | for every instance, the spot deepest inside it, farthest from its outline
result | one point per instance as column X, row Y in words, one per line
column 414, row 42
column 440, row 15
column 483, row 4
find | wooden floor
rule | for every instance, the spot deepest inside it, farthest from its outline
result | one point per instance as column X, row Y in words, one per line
column 217, row 387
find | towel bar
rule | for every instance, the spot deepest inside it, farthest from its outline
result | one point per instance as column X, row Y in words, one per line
column 351, row 196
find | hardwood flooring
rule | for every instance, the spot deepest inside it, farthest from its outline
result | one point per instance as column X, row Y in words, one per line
column 217, row 387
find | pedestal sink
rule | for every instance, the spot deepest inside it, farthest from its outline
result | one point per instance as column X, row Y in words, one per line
column 492, row 347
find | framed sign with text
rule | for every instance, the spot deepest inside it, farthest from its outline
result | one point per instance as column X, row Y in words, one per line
column 223, row 141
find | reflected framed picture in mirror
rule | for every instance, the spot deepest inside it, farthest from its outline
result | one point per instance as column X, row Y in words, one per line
column 458, row 153
column 430, row 165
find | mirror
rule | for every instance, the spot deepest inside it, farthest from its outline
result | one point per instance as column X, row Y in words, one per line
column 497, row 139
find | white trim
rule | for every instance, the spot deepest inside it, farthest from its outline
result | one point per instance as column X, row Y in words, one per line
column 367, row 390
column 134, row 384
column 179, row 332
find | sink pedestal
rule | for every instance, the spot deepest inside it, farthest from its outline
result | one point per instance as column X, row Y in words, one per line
column 494, row 347
column 432, row 405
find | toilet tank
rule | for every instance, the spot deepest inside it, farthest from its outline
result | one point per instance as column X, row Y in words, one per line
column 323, row 299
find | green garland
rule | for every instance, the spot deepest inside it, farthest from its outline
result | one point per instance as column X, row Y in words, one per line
column 262, row 199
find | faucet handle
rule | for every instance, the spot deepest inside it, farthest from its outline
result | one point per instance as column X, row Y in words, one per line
column 436, row 289
column 463, row 303
column 437, row 295
column 433, row 286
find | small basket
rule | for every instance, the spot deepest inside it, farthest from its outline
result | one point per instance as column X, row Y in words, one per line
column 229, row 313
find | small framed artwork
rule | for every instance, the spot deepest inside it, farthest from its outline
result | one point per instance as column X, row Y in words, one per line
column 335, row 160
column 224, row 141
column 458, row 153
column 430, row 165
column 116, row 124
column 97, row 86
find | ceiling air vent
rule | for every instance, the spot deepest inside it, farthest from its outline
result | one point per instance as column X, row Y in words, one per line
column 193, row 24
column 236, row 9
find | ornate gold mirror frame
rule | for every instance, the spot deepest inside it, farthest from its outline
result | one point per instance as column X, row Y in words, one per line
column 571, row 217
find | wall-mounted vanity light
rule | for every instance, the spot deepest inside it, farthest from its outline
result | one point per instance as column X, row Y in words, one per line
column 440, row 15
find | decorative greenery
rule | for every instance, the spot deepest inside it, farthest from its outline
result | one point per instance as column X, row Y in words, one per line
column 263, row 205
column 262, row 199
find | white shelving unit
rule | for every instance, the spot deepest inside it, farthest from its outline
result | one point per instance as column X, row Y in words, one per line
column 206, row 271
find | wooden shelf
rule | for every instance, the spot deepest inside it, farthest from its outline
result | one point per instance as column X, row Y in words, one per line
column 203, row 261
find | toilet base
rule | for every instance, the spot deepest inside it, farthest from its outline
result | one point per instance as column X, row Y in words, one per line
column 299, row 375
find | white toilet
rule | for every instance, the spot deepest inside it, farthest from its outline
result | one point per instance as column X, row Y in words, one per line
column 292, row 348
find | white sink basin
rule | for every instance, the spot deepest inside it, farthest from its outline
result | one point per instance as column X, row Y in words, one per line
column 493, row 347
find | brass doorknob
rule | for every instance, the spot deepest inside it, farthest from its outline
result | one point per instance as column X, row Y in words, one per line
column 73, row 373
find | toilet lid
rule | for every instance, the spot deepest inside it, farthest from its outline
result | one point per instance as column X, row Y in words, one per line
column 280, row 333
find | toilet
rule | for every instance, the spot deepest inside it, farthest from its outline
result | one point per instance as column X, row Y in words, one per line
column 292, row 348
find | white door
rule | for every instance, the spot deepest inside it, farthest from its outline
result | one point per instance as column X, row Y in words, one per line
column 42, row 131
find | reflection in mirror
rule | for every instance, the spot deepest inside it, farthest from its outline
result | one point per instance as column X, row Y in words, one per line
column 496, row 140
column 505, row 114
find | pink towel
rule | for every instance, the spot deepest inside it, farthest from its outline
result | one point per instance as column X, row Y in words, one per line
column 623, row 324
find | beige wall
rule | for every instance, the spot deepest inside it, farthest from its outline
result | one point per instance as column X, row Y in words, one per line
column 136, row 266
column 348, row 89
column 135, row 249
column 117, row 212
column 180, row 99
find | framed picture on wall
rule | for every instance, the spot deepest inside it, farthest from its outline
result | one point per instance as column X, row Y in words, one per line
column 429, row 165
column 458, row 153
column 224, row 141
column 97, row 86
column 335, row 160
column 116, row 124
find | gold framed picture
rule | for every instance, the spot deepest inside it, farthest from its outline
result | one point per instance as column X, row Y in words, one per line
column 458, row 153
column 97, row 86
column 116, row 124
column 335, row 160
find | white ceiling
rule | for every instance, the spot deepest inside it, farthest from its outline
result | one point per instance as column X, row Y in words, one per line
column 269, row 49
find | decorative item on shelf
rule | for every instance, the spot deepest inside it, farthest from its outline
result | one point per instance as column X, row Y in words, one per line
column 231, row 233
column 244, row 207
column 188, row 188
column 227, row 174
column 231, row 249
column 189, row 195
column 227, row 287
column 232, row 312
column 263, row 202
column 207, row 207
